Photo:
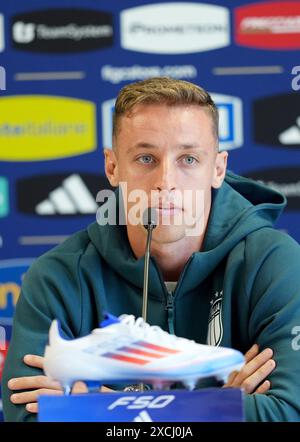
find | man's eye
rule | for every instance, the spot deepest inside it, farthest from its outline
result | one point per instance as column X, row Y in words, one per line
column 189, row 160
column 145, row 159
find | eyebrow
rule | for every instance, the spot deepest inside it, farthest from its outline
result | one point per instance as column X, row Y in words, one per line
column 185, row 146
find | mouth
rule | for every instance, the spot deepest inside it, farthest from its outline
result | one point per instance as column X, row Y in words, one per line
column 168, row 210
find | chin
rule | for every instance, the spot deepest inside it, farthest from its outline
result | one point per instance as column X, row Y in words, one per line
column 168, row 234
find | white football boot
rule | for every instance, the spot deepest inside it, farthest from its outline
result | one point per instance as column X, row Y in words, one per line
column 129, row 350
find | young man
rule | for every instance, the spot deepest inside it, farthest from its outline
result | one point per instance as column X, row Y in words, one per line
column 237, row 278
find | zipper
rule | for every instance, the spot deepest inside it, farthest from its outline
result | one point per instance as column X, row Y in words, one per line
column 170, row 296
column 170, row 311
column 169, row 307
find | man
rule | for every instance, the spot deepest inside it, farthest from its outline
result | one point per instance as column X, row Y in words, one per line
column 237, row 279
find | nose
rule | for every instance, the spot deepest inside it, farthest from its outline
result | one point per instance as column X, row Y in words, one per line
column 165, row 176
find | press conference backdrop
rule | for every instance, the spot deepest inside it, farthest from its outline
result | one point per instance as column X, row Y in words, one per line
column 62, row 64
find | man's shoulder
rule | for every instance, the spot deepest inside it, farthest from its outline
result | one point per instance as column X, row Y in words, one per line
column 75, row 244
column 267, row 237
column 271, row 247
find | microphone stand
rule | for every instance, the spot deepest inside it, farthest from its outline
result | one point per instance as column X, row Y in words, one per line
column 149, row 227
column 149, row 224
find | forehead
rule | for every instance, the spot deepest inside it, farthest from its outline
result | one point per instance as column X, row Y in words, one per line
column 162, row 117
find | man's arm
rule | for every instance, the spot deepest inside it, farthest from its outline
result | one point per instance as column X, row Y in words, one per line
column 41, row 300
column 274, row 301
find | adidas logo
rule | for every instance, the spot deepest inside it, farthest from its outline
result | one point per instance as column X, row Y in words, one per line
column 71, row 198
column 143, row 416
column 291, row 135
column 141, row 353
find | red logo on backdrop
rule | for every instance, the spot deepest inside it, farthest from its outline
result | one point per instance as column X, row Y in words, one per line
column 2, row 358
column 268, row 25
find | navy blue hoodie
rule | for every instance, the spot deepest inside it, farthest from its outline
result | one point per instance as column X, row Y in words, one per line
column 242, row 288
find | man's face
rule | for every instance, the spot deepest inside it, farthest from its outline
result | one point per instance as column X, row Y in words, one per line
column 169, row 153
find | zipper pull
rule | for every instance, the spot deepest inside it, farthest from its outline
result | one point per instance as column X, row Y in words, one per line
column 170, row 310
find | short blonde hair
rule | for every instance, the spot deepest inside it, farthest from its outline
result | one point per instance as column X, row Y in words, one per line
column 163, row 90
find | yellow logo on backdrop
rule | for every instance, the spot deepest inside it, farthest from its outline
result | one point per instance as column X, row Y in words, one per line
column 37, row 127
column 9, row 288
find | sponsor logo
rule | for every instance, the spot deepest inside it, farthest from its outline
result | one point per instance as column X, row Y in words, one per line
column 139, row 353
column 175, row 28
column 230, row 121
column 138, row 402
column 215, row 325
column 11, row 275
column 4, row 199
column 37, row 127
column 2, row 79
column 62, row 30
column 285, row 180
column 268, row 25
column 291, row 135
column 108, row 107
column 2, row 339
column 3, row 352
column 136, row 72
column 60, row 194
column 282, row 127
column 1, row 33
column 5, row 335
column 143, row 416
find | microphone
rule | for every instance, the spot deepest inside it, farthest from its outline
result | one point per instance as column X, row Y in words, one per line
column 149, row 222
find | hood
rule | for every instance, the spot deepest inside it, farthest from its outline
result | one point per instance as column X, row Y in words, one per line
column 241, row 206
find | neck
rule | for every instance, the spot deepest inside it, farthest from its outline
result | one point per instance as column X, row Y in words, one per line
column 171, row 257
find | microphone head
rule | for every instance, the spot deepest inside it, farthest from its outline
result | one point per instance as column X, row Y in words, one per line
column 150, row 218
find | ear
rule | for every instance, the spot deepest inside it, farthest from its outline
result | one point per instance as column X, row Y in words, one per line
column 111, row 167
column 219, row 169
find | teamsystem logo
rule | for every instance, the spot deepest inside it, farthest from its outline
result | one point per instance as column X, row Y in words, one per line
column 1, row 33
column 283, row 179
column 174, row 28
column 268, row 25
column 277, row 120
column 230, row 121
column 62, row 30
column 37, row 127
column 60, row 194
